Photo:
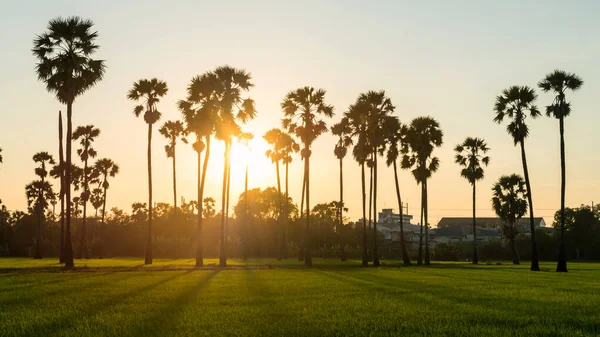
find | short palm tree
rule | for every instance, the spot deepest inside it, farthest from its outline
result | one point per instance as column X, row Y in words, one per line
column 289, row 147
column 172, row 131
column 471, row 155
column 66, row 65
column 343, row 131
column 150, row 92
column 86, row 136
column 394, row 133
column 559, row 82
column 43, row 159
column 106, row 168
column 422, row 137
column 275, row 138
column 38, row 194
column 510, row 204
column 303, row 109
column 517, row 103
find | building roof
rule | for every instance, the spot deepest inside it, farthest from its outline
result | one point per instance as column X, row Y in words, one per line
column 460, row 231
column 486, row 222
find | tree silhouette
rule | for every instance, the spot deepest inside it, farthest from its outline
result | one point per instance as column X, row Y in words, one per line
column 209, row 207
column 394, row 133
column 289, row 147
column 343, row 131
column 471, row 154
column 303, row 109
column 106, row 168
column 44, row 193
column 276, row 138
column 559, row 82
column 0, row 155
column 510, row 204
column 173, row 130
column 422, row 137
column 150, row 92
column 86, row 136
column 515, row 103
column 245, row 138
column 65, row 64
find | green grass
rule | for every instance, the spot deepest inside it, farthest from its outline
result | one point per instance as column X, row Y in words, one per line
column 119, row 297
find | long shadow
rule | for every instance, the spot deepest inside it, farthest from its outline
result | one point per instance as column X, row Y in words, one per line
column 59, row 279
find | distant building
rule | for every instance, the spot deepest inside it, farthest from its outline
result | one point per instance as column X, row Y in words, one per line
column 464, row 233
column 387, row 216
column 522, row 224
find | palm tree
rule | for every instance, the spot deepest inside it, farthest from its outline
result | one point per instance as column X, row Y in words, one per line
column 229, row 85
column 60, row 174
column 150, row 92
column 516, row 103
column 422, row 137
column 38, row 193
column 289, row 146
column 96, row 200
column 302, row 109
column 43, row 159
column 471, row 154
column 274, row 137
column 200, row 114
column 245, row 138
column 105, row 168
column 394, row 133
column 510, row 204
column 86, row 134
column 343, row 131
column 65, row 64
column 173, row 130
column 559, row 82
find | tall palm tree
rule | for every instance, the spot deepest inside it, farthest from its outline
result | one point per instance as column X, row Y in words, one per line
column 274, row 137
column 510, row 204
column 559, row 82
column 200, row 113
column 289, row 146
column 43, row 159
column 173, row 130
column 471, row 154
column 66, row 65
column 516, row 103
column 230, row 84
column 105, row 168
column 302, row 109
column 86, row 136
column 343, row 132
column 245, row 138
column 422, row 137
column 394, row 133
column 150, row 92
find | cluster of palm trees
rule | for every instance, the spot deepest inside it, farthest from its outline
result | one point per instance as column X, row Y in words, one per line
column 217, row 106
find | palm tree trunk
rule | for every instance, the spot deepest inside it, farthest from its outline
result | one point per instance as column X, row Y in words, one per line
column 222, row 257
column 341, row 219
column 365, row 257
column 515, row 252
column 301, row 245
column 279, row 228
column 148, row 255
column 286, row 215
column 420, row 254
column 83, row 251
column 307, row 246
column 475, row 258
column 405, row 257
column 174, row 181
column 245, row 228
column 375, row 253
column 201, row 180
column 61, row 162
column 562, row 254
column 68, row 246
column 227, row 201
column 38, row 248
column 426, row 223
column 102, row 227
column 370, row 195
column 535, row 264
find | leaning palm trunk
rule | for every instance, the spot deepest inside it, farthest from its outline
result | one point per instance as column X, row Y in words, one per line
column 280, row 218
column 535, row 265
column 222, row 256
column 62, row 189
column 301, row 246
column 375, row 253
column 475, row 259
column 148, row 255
column 341, row 219
column 365, row 257
column 201, row 180
column 562, row 254
column 68, row 246
column 405, row 257
column 426, row 224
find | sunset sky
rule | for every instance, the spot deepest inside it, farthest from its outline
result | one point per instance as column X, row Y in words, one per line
column 446, row 59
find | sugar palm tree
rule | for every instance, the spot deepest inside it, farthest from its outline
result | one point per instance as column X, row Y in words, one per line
column 38, row 194
column 43, row 159
column 517, row 103
column 245, row 139
column 471, row 155
column 343, row 132
column 422, row 137
column 230, row 84
column 303, row 109
column 86, row 136
column 65, row 64
column 394, row 133
column 173, row 130
column 106, row 168
column 289, row 146
column 510, row 204
column 150, row 92
column 96, row 200
column 559, row 82
column 275, row 138
column 200, row 113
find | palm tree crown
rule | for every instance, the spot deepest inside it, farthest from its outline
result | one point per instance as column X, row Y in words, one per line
column 422, row 136
column 514, row 103
column 150, row 91
column 172, row 130
column 106, row 168
column 559, row 82
column 343, row 130
column 43, row 158
column 87, row 134
column 302, row 109
column 471, row 154
column 508, row 200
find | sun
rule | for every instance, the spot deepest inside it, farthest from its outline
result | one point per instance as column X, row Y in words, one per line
column 260, row 168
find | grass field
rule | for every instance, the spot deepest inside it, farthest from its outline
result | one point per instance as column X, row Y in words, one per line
column 121, row 297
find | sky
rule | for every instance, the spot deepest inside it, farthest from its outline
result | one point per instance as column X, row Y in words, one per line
column 445, row 59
